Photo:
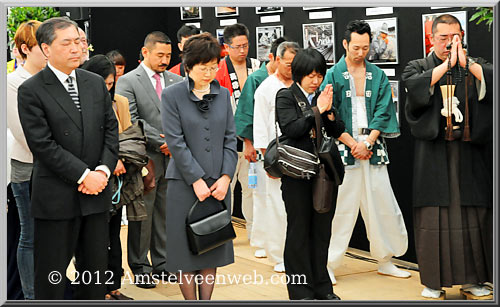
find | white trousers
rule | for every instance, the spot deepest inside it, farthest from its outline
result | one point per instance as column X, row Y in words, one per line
column 259, row 219
column 241, row 175
column 368, row 188
column 275, row 226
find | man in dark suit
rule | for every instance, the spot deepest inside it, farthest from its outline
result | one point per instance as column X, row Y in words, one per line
column 142, row 87
column 70, row 127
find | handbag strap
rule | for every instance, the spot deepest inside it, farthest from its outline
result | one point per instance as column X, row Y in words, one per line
column 319, row 134
column 197, row 203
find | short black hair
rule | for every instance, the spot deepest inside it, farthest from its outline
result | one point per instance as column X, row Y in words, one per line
column 232, row 31
column 46, row 32
column 447, row 19
column 200, row 49
column 358, row 26
column 305, row 62
column 186, row 31
column 116, row 57
column 275, row 44
column 103, row 66
column 156, row 37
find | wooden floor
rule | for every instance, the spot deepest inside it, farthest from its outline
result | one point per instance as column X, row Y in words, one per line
column 356, row 279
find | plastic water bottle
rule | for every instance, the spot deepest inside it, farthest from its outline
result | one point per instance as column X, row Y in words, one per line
column 252, row 175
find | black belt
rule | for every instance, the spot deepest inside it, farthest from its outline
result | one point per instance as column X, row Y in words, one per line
column 365, row 131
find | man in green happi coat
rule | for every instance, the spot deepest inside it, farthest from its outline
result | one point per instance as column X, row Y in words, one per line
column 363, row 99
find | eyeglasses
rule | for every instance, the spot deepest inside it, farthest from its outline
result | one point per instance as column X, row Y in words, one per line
column 204, row 70
column 245, row 46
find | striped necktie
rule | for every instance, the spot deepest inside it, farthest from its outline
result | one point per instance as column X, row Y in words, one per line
column 72, row 92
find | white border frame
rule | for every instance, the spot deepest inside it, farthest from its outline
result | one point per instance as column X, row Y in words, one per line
column 304, row 42
column 397, row 103
column 464, row 26
column 257, row 37
column 218, row 15
column 396, row 40
column 192, row 18
column 269, row 12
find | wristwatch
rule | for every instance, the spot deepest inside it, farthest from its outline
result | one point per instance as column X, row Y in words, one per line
column 368, row 145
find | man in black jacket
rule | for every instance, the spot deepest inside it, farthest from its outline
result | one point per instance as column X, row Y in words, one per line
column 70, row 127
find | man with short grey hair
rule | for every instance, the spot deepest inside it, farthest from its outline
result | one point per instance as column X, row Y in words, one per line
column 270, row 216
column 71, row 129
column 85, row 46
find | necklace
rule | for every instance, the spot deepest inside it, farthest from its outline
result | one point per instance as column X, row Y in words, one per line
column 203, row 90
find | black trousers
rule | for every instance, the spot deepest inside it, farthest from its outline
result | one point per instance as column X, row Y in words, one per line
column 307, row 241
column 56, row 241
column 115, row 252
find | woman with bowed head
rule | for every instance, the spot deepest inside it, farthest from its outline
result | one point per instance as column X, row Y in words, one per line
column 199, row 129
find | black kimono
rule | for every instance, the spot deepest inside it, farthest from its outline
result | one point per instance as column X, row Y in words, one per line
column 452, row 180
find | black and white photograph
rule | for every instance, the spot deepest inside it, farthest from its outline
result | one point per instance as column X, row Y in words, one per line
column 265, row 37
column 190, row 12
column 312, row 8
column 226, row 11
column 268, row 9
column 320, row 36
column 395, row 97
column 384, row 46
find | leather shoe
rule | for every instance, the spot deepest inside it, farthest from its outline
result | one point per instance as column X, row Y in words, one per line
column 144, row 280
column 120, row 296
column 329, row 296
column 306, row 299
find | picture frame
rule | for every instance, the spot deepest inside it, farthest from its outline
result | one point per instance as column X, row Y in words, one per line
column 320, row 36
column 428, row 19
column 395, row 97
column 219, row 35
column 190, row 12
column 312, row 8
column 268, row 9
column 264, row 38
column 226, row 11
column 384, row 46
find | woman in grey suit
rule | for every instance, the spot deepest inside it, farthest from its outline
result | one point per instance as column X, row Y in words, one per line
column 199, row 129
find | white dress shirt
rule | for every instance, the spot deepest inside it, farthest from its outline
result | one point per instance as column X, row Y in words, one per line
column 151, row 73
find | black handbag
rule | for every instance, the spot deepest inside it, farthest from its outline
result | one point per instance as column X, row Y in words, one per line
column 283, row 159
column 209, row 231
column 328, row 152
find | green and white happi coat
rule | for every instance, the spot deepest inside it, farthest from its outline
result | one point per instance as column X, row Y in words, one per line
column 380, row 108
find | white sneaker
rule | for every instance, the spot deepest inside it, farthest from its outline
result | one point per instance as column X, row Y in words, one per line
column 389, row 269
column 332, row 276
column 260, row 253
column 431, row 293
column 476, row 290
column 280, row 267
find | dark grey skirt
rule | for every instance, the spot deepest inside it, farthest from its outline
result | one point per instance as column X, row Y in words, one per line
column 180, row 199
column 454, row 244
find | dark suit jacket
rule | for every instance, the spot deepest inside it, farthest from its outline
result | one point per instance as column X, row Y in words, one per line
column 65, row 142
column 295, row 124
column 203, row 144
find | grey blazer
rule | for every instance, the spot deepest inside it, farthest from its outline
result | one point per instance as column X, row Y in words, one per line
column 203, row 144
column 144, row 103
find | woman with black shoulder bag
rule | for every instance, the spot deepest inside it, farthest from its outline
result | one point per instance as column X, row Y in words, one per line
column 308, row 232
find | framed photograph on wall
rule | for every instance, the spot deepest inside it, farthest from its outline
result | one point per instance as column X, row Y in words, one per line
column 428, row 19
column 384, row 46
column 265, row 37
column 268, row 9
column 395, row 97
column 310, row 8
column 219, row 35
column 226, row 11
column 190, row 12
column 320, row 36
